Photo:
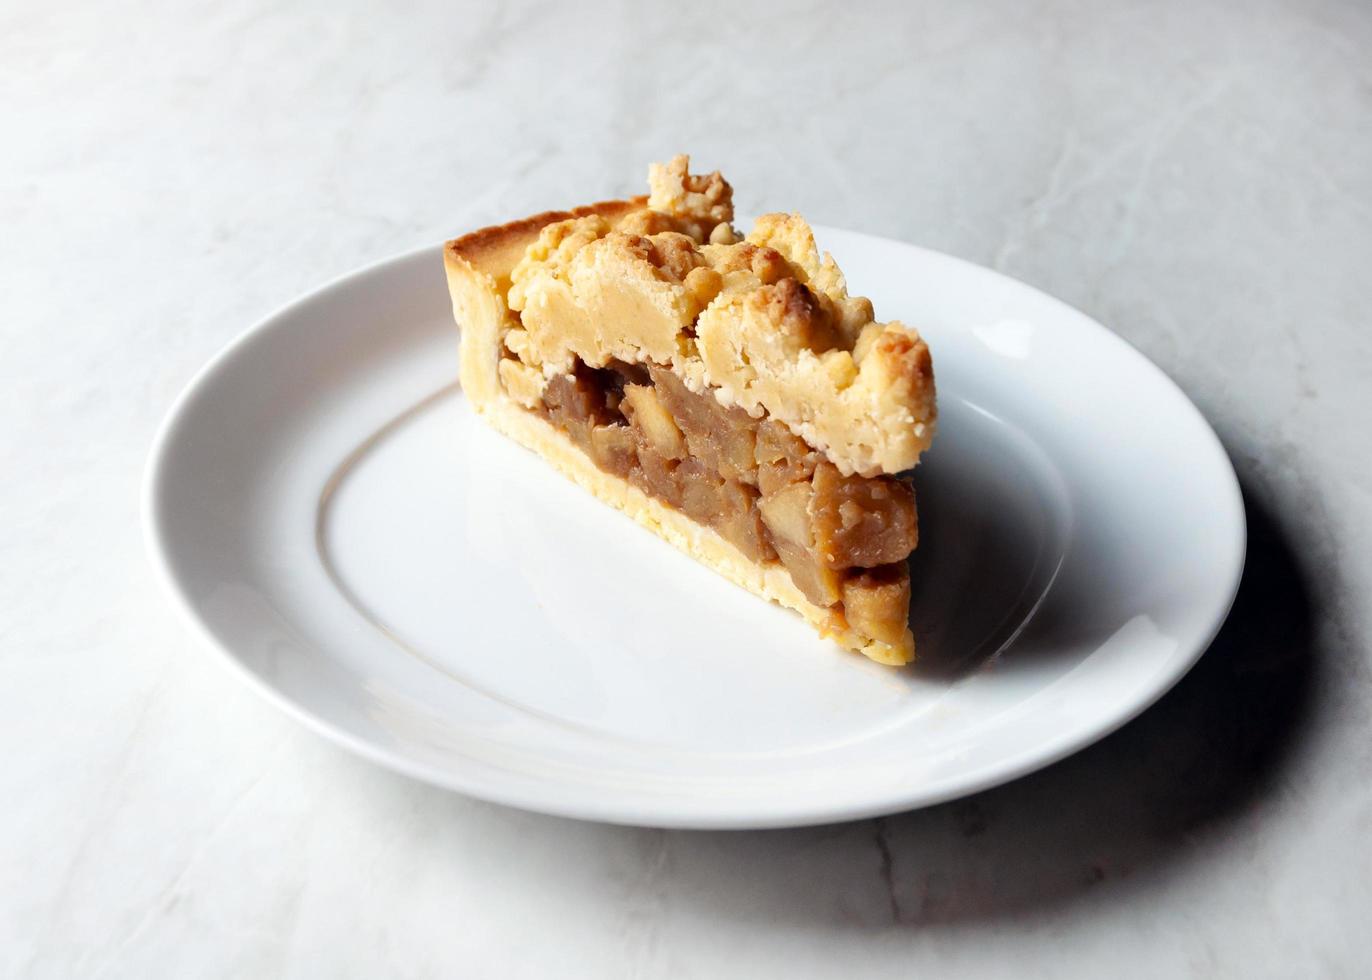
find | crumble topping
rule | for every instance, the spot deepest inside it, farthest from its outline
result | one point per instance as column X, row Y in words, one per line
column 763, row 322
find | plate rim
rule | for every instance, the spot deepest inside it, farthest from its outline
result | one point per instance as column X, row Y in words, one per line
column 605, row 809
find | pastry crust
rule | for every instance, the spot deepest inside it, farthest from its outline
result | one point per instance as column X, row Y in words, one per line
column 479, row 268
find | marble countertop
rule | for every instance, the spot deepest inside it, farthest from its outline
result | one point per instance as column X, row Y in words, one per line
column 1196, row 176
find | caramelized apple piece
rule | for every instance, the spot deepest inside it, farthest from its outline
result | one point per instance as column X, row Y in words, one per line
column 727, row 506
column 876, row 601
column 819, row 584
column 740, row 521
column 657, row 477
column 721, row 438
column 700, row 488
column 787, row 515
column 782, row 457
column 578, row 402
column 614, row 448
column 646, row 412
column 862, row 523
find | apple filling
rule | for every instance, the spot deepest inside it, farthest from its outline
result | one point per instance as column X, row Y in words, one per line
column 844, row 540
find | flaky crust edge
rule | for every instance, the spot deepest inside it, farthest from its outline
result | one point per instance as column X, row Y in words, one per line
column 478, row 267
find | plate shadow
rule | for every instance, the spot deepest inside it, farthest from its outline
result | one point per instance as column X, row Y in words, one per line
column 1190, row 769
column 1197, row 761
column 993, row 534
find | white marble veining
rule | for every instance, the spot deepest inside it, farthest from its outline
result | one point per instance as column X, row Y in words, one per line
column 1197, row 176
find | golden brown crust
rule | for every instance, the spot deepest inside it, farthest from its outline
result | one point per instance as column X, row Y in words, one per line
column 495, row 250
column 478, row 267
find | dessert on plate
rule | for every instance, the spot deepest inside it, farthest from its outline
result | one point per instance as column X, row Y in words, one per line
column 724, row 390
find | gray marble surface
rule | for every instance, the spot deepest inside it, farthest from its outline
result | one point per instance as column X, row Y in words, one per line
column 1197, row 176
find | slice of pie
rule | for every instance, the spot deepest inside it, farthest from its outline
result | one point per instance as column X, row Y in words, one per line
column 724, row 391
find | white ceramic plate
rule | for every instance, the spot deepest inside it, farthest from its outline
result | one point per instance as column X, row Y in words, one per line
column 328, row 513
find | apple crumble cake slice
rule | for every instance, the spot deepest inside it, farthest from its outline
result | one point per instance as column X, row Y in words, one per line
column 723, row 390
